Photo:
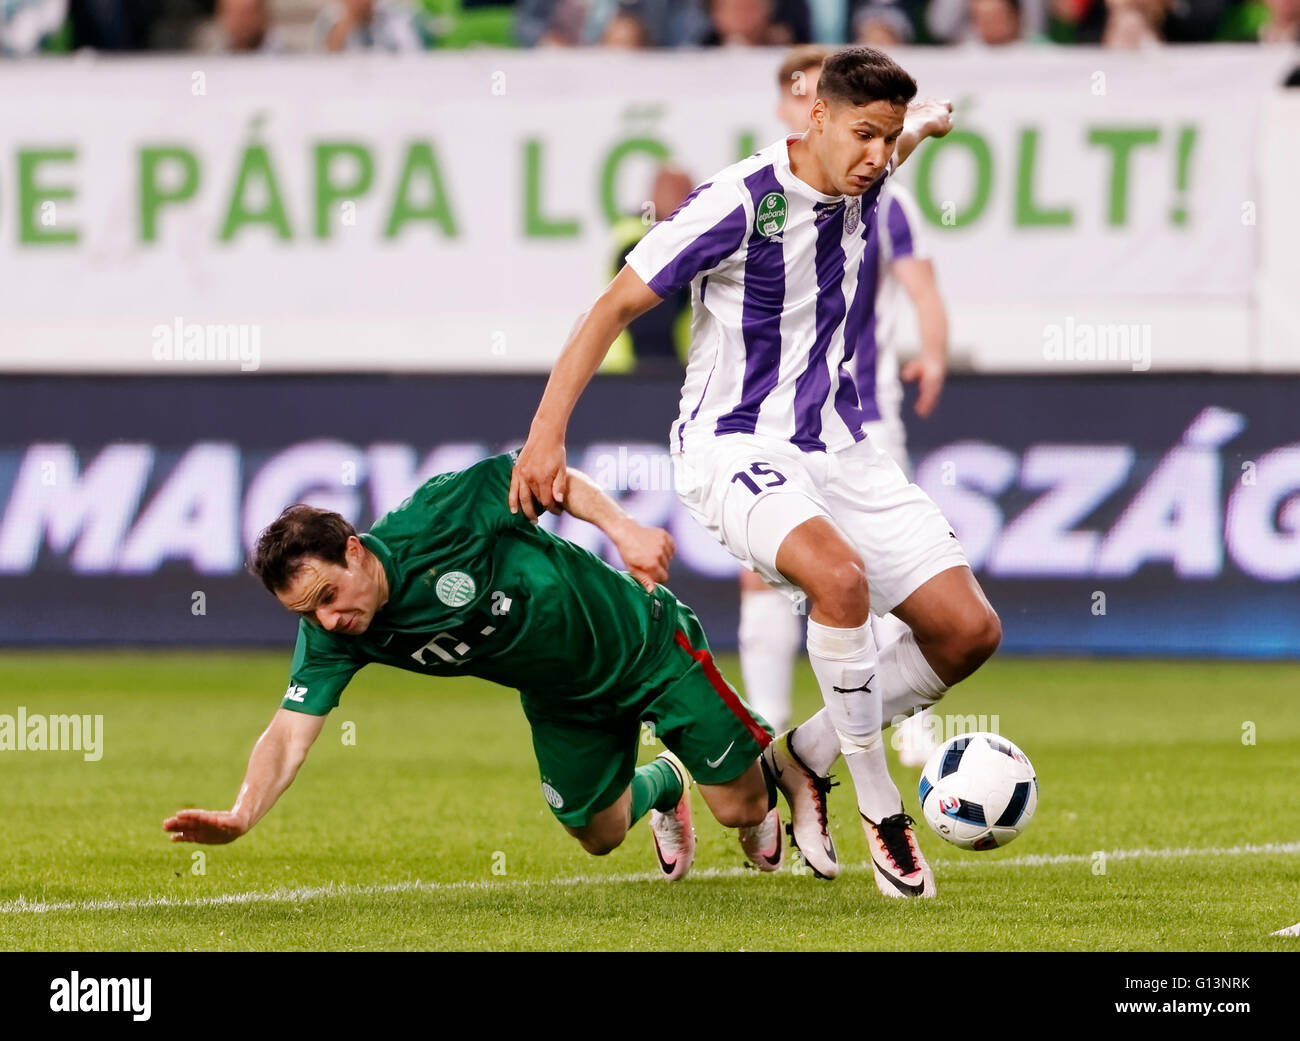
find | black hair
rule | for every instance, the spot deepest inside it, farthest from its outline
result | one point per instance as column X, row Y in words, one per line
column 861, row 75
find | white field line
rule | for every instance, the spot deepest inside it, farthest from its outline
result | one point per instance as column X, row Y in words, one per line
column 301, row 894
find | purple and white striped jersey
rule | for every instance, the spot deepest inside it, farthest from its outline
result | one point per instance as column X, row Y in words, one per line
column 780, row 300
column 895, row 235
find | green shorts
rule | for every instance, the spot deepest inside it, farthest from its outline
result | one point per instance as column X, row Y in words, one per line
column 587, row 765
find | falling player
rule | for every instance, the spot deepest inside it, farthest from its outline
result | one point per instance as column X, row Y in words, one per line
column 769, row 450
column 770, row 631
column 453, row 584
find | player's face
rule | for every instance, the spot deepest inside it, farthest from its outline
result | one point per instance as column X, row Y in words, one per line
column 340, row 599
column 856, row 142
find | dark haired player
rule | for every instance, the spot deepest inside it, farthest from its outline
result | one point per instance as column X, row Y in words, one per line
column 771, row 633
column 452, row 583
column 769, row 447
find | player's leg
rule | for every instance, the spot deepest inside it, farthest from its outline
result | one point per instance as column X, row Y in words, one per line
column 671, row 827
column 749, row 804
column 910, row 553
column 908, row 545
column 951, row 630
column 607, row 828
column 591, row 781
column 661, row 789
column 719, row 738
column 743, row 802
column 771, row 634
column 913, row 738
column 819, row 558
column 751, row 493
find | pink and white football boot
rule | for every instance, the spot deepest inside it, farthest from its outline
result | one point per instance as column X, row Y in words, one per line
column 673, row 832
column 764, row 845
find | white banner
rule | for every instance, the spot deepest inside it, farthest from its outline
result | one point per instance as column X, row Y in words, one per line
column 454, row 211
column 1278, row 299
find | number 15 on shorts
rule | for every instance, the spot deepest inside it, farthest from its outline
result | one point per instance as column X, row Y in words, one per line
column 761, row 472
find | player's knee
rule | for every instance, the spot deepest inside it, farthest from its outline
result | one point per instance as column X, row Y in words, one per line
column 599, row 845
column 841, row 592
column 599, row 841
column 977, row 639
column 989, row 637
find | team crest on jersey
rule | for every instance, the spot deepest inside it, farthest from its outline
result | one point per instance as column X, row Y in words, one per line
column 455, row 589
column 852, row 214
column 769, row 217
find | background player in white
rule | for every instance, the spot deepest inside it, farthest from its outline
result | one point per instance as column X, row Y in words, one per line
column 771, row 632
column 768, row 446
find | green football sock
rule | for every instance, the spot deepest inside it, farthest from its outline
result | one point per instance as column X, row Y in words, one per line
column 655, row 785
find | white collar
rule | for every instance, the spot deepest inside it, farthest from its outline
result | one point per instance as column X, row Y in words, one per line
column 802, row 187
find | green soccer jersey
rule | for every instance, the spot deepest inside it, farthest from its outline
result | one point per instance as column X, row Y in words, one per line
column 476, row 590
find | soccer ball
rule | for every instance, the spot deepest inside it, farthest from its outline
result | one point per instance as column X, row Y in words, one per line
column 978, row 791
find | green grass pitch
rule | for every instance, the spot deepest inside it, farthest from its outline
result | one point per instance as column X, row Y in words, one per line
column 430, row 832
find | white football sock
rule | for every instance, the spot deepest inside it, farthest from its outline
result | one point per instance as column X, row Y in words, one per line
column 844, row 661
column 816, row 743
column 770, row 634
column 878, row 798
column 907, row 682
column 886, row 629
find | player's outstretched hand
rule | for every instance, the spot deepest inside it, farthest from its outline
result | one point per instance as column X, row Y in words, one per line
column 542, row 474
column 647, row 553
column 932, row 118
column 211, row 827
column 929, row 374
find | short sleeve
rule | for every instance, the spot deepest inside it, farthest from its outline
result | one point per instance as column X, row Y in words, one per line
column 699, row 235
column 318, row 674
column 901, row 226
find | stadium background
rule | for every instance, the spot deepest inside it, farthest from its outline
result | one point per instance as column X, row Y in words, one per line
column 236, row 281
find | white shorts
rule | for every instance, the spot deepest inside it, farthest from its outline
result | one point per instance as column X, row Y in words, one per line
column 751, row 492
column 890, row 436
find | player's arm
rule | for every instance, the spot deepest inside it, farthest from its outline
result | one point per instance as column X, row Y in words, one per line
column 540, row 471
column 645, row 551
column 276, row 757
column 930, row 368
column 699, row 236
column 924, row 119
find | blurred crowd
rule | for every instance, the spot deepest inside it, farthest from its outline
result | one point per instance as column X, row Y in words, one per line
column 30, row 27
